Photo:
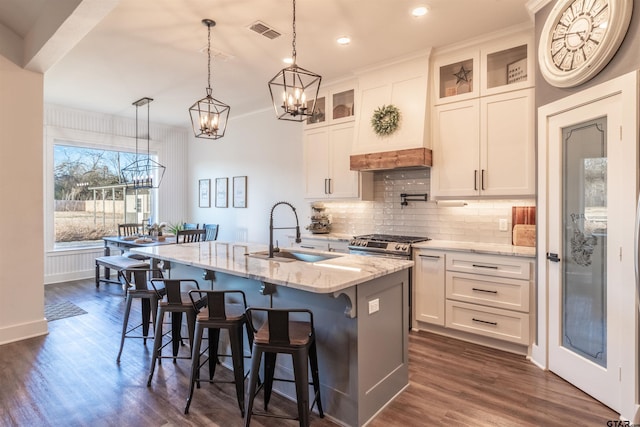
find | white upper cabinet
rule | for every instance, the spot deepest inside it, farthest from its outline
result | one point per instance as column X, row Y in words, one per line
column 483, row 120
column 456, row 76
column 484, row 147
column 508, row 64
column 327, row 172
column 494, row 67
column 335, row 104
column 403, row 84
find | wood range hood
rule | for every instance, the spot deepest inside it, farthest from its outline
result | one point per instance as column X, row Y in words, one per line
column 396, row 159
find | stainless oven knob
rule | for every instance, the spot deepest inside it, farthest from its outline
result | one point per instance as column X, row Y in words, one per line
column 398, row 247
column 352, row 242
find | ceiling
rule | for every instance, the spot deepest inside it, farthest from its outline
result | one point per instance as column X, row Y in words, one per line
column 157, row 48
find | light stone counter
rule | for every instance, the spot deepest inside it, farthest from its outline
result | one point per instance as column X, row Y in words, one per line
column 480, row 248
column 360, row 307
column 336, row 274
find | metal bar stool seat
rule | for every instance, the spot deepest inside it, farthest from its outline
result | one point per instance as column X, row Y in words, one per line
column 149, row 297
column 215, row 313
column 177, row 303
column 277, row 335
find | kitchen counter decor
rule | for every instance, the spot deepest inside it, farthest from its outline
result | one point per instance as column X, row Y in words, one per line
column 385, row 120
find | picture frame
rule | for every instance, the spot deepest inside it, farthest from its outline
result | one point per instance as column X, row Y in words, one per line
column 222, row 185
column 204, row 193
column 517, row 71
column 239, row 191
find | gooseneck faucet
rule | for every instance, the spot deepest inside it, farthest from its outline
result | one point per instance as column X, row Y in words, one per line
column 271, row 227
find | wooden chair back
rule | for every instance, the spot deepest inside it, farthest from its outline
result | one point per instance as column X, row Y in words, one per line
column 131, row 229
column 190, row 236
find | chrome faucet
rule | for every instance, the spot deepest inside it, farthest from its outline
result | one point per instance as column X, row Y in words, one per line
column 271, row 227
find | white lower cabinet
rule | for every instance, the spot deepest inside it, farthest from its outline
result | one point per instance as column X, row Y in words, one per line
column 429, row 291
column 484, row 295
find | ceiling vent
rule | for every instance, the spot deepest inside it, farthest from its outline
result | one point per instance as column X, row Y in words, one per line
column 264, row 30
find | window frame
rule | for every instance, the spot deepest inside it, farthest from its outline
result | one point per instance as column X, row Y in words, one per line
column 73, row 137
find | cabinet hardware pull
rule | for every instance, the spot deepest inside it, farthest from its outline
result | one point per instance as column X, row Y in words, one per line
column 430, row 256
column 553, row 257
column 330, row 190
column 484, row 290
column 325, row 186
column 482, row 180
column 484, row 321
column 475, row 180
column 493, row 267
column 306, row 247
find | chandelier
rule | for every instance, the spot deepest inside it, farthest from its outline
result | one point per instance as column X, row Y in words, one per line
column 208, row 115
column 143, row 172
column 294, row 90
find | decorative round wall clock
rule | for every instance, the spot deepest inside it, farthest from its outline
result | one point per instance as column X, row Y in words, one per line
column 580, row 37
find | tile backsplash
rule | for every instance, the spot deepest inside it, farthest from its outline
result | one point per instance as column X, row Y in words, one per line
column 477, row 221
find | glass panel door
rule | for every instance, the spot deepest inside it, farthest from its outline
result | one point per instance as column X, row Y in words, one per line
column 584, row 213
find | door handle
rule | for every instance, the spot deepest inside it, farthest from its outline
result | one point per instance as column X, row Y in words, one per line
column 475, row 180
column 482, row 180
column 553, row 257
column 326, row 181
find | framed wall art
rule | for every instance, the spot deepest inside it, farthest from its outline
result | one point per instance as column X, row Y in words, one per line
column 204, row 192
column 221, row 192
column 239, row 191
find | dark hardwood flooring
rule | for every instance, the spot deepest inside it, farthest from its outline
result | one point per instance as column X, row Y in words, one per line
column 70, row 378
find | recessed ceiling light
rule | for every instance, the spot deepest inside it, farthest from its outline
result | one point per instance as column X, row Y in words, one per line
column 288, row 60
column 343, row 40
column 420, row 11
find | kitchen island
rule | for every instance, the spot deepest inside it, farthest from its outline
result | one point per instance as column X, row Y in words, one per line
column 360, row 307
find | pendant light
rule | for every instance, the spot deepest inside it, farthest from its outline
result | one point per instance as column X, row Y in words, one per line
column 294, row 90
column 209, row 116
column 143, row 172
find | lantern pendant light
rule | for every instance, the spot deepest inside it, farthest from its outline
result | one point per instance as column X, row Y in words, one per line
column 294, row 90
column 143, row 172
column 208, row 115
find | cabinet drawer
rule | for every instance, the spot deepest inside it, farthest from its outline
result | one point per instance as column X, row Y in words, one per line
column 500, row 292
column 501, row 266
column 491, row 322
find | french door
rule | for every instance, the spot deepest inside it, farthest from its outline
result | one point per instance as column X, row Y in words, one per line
column 584, row 254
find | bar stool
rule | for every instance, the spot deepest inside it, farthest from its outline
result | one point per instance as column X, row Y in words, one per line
column 280, row 335
column 149, row 298
column 215, row 315
column 177, row 303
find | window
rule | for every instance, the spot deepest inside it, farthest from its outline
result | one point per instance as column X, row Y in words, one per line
column 89, row 199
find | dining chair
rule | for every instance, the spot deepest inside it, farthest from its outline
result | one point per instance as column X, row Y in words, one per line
column 212, row 231
column 129, row 229
column 190, row 226
column 190, row 236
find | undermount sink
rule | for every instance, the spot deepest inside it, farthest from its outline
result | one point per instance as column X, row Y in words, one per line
column 290, row 256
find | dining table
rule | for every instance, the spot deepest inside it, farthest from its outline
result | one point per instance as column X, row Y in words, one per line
column 124, row 243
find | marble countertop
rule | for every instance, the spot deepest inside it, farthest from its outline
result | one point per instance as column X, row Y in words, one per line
column 335, row 274
column 481, row 248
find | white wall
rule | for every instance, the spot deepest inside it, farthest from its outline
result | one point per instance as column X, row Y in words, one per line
column 269, row 152
column 21, row 248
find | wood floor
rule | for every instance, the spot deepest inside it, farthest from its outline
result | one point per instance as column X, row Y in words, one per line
column 70, row 378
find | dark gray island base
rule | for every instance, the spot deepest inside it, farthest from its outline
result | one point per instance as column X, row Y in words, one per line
column 361, row 329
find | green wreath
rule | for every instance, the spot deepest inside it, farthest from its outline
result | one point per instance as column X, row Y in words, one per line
column 385, row 120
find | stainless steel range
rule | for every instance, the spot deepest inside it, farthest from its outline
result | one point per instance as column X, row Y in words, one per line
column 384, row 245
